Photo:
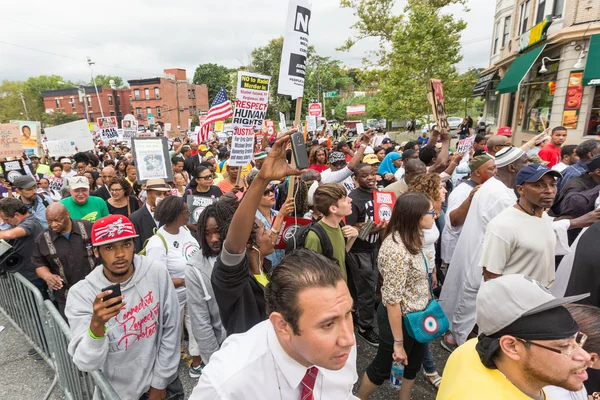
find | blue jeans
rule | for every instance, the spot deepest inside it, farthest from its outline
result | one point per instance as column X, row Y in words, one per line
column 428, row 363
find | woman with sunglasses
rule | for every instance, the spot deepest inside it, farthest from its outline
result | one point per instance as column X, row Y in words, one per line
column 405, row 289
column 318, row 159
column 202, row 184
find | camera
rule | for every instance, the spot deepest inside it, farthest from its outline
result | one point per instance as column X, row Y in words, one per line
column 10, row 260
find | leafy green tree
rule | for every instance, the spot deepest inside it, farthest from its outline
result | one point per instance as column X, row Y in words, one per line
column 213, row 76
column 420, row 44
column 58, row 118
column 104, row 80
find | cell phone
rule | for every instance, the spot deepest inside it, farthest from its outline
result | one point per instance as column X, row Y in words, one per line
column 299, row 150
column 116, row 292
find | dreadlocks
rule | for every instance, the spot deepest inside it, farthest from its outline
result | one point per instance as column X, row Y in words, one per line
column 300, row 199
column 222, row 212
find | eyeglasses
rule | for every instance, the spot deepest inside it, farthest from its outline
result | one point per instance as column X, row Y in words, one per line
column 431, row 212
column 580, row 339
column 339, row 164
column 116, row 190
column 207, row 177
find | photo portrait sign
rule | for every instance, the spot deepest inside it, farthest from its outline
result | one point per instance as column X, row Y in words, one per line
column 30, row 135
column 151, row 157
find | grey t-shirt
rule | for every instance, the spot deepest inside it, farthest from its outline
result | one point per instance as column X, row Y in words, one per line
column 25, row 244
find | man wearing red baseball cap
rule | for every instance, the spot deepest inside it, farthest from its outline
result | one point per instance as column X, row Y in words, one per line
column 132, row 337
column 504, row 131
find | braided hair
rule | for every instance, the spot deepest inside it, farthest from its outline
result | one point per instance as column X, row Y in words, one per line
column 222, row 212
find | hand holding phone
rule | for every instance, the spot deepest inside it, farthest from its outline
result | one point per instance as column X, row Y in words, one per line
column 107, row 304
column 299, row 150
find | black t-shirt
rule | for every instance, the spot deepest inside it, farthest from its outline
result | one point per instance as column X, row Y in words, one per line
column 24, row 245
column 214, row 191
column 362, row 211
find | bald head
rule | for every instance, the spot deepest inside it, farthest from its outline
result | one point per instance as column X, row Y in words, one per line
column 496, row 143
column 59, row 219
column 413, row 168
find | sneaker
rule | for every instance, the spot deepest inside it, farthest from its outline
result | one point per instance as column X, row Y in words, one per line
column 448, row 345
column 370, row 336
column 197, row 371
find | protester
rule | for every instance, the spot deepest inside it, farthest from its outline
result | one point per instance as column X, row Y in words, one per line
column 62, row 255
column 413, row 168
column 67, row 171
column 238, row 278
column 211, row 164
column 568, row 157
column 120, row 168
column 91, row 180
column 202, row 184
column 497, row 143
column 530, row 342
column 303, row 351
column 585, row 151
column 192, row 161
column 317, row 160
column 81, row 205
column 579, row 194
column 405, row 289
column 143, row 219
column 177, row 168
column 133, row 338
column 389, row 166
column 230, row 184
column 131, row 175
column 38, row 168
column 104, row 191
column 35, row 202
column 551, row 152
column 122, row 202
column 179, row 184
column 380, row 153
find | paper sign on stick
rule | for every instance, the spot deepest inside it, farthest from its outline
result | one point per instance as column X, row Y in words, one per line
column 360, row 129
column 76, row 131
column 288, row 229
column 383, row 205
column 61, row 147
column 30, row 135
column 436, row 98
column 282, row 125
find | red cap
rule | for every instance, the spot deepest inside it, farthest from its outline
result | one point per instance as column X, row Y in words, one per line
column 504, row 131
column 112, row 229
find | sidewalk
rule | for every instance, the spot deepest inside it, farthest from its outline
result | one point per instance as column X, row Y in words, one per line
column 21, row 377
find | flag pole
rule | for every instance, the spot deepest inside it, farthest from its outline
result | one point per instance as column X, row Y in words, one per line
column 292, row 181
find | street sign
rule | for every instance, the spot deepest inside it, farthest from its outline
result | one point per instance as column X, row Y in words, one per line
column 150, row 119
column 313, row 100
column 331, row 94
column 315, row 110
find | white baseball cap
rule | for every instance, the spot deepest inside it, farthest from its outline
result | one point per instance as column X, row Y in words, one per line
column 503, row 300
column 78, row 182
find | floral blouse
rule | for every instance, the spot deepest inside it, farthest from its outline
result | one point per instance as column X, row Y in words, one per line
column 404, row 275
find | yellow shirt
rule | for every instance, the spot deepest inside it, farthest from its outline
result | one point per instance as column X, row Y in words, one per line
column 262, row 279
column 466, row 378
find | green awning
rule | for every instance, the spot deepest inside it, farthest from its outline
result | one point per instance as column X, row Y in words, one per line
column 517, row 71
column 591, row 76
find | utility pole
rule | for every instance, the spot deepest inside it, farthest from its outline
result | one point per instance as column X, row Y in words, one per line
column 90, row 63
column 24, row 105
column 81, row 91
column 113, row 86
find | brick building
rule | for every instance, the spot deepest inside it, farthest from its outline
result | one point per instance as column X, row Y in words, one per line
column 67, row 101
column 172, row 99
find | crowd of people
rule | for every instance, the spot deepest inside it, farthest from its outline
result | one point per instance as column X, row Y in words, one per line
column 469, row 255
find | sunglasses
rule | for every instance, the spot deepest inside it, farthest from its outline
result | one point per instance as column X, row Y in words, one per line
column 268, row 191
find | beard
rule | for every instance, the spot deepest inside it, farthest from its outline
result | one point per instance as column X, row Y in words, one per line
column 542, row 374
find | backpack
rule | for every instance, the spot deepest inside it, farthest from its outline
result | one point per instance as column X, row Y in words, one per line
column 162, row 238
column 298, row 240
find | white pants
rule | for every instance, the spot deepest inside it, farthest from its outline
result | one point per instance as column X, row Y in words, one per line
column 184, row 317
column 463, row 319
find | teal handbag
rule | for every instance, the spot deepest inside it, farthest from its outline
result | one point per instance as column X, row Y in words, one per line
column 426, row 325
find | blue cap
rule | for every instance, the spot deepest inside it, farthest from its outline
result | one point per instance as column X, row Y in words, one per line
column 535, row 172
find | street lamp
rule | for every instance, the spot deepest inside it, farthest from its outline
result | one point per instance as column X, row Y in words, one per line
column 543, row 70
column 90, row 63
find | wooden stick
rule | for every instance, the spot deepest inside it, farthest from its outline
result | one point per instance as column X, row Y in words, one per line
column 292, row 180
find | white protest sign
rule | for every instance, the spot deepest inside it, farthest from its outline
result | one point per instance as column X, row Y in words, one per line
column 295, row 49
column 360, row 129
column 464, row 145
column 76, row 131
column 251, row 104
column 61, row 147
column 55, row 183
column 108, row 134
column 312, row 123
column 282, row 125
column 167, row 126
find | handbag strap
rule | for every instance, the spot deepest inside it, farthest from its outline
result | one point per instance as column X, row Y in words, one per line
column 427, row 272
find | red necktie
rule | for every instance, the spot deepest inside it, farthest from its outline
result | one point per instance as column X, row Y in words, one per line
column 308, row 383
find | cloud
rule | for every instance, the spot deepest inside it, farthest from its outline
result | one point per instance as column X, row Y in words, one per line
column 139, row 38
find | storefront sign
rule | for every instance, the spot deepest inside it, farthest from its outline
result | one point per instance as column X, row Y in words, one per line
column 483, row 83
column 573, row 100
column 355, row 110
column 535, row 34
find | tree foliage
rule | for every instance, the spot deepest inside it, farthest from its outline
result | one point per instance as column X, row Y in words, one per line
column 213, row 76
column 58, row 118
column 421, row 44
column 104, row 80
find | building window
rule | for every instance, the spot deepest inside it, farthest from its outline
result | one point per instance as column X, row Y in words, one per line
column 148, row 111
column 557, row 10
column 138, row 112
column 524, row 12
column 189, row 94
column 89, row 101
column 593, row 126
column 92, row 117
column 506, row 33
column 72, row 101
column 57, row 101
column 539, row 96
column 130, row 100
column 496, row 37
column 147, row 94
column 112, row 113
column 136, row 93
column 110, row 100
column 156, row 93
column 158, row 114
column 541, row 11
column 193, row 93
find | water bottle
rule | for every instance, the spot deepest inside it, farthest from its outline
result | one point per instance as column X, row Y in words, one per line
column 396, row 375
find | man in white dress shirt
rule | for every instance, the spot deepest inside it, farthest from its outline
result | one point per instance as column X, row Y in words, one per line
column 305, row 350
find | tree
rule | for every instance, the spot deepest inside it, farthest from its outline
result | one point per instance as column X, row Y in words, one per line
column 104, row 80
column 58, row 118
column 423, row 43
column 460, row 92
column 213, row 76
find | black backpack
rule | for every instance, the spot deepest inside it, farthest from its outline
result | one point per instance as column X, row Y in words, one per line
column 298, row 240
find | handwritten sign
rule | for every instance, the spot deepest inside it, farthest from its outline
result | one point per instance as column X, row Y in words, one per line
column 383, row 205
column 61, row 147
column 464, row 145
column 436, row 98
column 10, row 141
column 76, row 131
column 55, row 183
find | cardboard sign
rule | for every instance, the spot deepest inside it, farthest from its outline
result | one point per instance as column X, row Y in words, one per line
column 252, row 100
column 12, row 170
column 312, row 123
column 383, row 205
column 219, row 126
column 151, row 159
column 55, row 183
column 61, row 148
column 436, row 98
column 464, row 145
column 30, row 132
column 288, row 229
column 172, row 134
column 76, row 131
column 10, row 141
column 360, row 129
column 282, row 124
column 292, row 69
column 197, row 204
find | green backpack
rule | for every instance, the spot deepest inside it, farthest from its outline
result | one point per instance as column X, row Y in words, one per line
column 162, row 238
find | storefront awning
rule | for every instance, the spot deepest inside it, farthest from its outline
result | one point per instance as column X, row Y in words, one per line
column 517, row 71
column 483, row 83
column 591, row 75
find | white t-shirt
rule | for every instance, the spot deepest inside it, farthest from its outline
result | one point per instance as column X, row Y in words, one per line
column 399, row 174
column 180, row 248
column 450, row 233
column 343, row 177
column 429, row 238
column 560, row 167
column 518, row 243
column 558, row 393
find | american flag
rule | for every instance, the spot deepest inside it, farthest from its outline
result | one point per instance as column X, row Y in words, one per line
column 219, row 111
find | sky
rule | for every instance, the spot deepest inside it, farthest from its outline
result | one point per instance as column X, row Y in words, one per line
column 139, row 38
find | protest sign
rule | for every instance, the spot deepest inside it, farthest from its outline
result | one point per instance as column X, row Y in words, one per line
column 55, row 183
column 107, row 122
column 61, row 147
column 356, row 110
column 312, row 123
column 197, row 204
column 360, row 129
column 383, row 205
column 464, row 145
column 30, row 132
column 282, row 124
column 292, row 69
column 219, row 126
column 436, row 98
column 251, row 104
column 76, row 131
column 12, row 170
column 270, row 125
column 10, row 141
column 128, row 132
column 151, row 159
column 288, row 229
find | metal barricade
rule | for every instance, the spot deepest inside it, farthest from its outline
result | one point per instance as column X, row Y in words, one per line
column 42, row 325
